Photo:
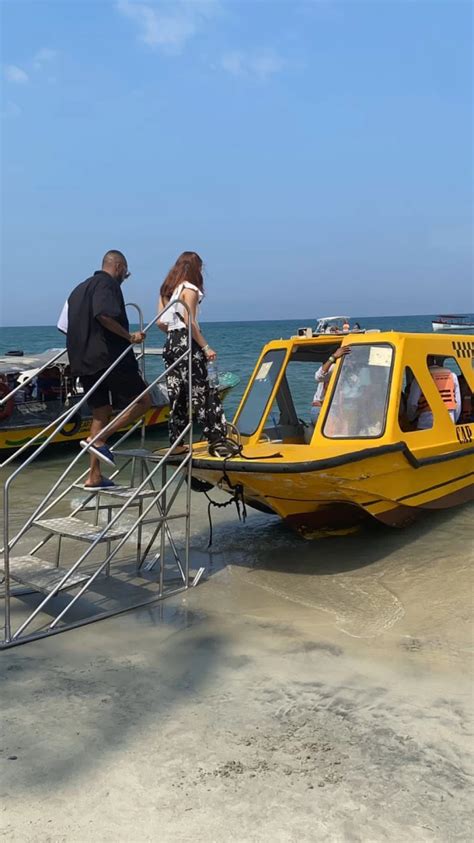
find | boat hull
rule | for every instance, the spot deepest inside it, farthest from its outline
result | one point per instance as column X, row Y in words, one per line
column 451, row 328
column 388, row 484
column 12, row 438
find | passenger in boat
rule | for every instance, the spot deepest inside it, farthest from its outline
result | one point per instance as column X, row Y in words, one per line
column 97, row 334
column 346, row 326
column 322, row 378
column 184, row 283
column 447, row 384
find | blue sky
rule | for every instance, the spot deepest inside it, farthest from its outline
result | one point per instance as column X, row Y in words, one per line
column 316, row 154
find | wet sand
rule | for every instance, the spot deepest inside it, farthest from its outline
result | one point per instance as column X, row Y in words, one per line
column 303, row 691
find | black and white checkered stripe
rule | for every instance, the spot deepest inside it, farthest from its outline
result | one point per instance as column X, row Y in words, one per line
column 463, row 348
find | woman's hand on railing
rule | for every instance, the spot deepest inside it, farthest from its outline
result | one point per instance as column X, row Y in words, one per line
column 210, row 353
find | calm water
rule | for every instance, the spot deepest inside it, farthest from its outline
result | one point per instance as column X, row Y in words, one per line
column 237, row 343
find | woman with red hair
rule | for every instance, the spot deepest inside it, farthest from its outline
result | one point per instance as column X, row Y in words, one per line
column 184, row 285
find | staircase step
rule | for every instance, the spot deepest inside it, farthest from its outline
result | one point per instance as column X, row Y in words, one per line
column 119, row 491
column 145, row 454
column 42, row 575
column 74, row 528
column 140, row 453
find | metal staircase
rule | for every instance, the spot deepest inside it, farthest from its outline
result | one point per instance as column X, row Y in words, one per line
column 97, row 562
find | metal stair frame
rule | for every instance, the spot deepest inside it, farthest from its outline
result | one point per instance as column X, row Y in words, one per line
column 159, row 500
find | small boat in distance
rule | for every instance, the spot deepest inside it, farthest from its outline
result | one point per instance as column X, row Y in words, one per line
column 454, row 323
column 331, row 325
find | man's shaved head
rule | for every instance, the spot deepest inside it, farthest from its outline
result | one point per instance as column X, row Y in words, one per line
column 114, row 256
column 115, row 263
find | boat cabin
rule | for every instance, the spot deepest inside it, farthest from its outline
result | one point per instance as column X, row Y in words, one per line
column 391, row 387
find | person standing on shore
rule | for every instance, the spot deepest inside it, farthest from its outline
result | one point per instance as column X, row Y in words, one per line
column 184, row 285
column 97, row 333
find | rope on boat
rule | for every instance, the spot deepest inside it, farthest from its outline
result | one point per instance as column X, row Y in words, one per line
column 228, row 448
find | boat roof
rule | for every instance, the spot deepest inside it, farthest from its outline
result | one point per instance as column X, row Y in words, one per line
column 13, row 363
column 373, row 335
column 452, row 316
column 332, row 318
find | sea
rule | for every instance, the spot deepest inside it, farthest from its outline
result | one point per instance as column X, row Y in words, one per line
column 237, row 344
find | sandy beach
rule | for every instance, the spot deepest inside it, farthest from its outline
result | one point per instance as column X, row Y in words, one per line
column 303, row 691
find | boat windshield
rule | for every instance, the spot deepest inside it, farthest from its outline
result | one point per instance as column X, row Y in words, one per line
column 262, row 387
column 359, row 402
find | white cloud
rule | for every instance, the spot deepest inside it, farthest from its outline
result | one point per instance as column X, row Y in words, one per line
column 260, row 64
column 170, row 25
column 16, row 74
column 43, row 56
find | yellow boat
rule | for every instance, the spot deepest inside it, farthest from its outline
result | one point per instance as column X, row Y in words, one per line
column 363, row 456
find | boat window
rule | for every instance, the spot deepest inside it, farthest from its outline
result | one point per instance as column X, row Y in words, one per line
column 260, row 391
column 453, row 389
column 289, row 418
column 359, row 402
column 445, row 372
column 409, row 409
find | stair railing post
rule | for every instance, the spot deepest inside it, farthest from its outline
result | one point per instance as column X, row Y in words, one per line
column 190, row 463
column 6, row 564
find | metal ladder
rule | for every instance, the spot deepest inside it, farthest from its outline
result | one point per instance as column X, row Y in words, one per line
column 149, row 492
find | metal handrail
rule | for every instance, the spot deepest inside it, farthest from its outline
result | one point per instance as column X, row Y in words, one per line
column 99, row 538
column 141, row 358
column 8, row 545
column 39, row 511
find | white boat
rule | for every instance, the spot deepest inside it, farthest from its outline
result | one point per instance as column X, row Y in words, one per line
column 453, row 323
column 331, row 325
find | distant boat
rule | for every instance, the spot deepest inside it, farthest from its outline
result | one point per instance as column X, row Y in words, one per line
column 36, row 389
column 454, row 323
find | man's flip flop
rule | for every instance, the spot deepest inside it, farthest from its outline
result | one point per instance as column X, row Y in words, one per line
column 100, row 451
column 105, row 483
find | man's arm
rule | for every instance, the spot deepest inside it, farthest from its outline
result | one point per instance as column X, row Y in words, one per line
column 324, row 370
column 457, row 397
column 113, row 326
column 106, row 304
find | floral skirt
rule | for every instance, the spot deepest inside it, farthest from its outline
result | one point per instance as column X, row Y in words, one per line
column 207, row 406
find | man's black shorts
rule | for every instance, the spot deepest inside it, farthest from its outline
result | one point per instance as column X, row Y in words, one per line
column 119, row 388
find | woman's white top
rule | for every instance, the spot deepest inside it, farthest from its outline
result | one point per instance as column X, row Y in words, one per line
column 173, row 318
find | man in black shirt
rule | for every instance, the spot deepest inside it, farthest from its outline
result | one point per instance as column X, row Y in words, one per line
column 97, row 334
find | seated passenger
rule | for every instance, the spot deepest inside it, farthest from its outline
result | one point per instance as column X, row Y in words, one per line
column 447, row 384
column 346, row 326
column 322, row 378
column 467, row 407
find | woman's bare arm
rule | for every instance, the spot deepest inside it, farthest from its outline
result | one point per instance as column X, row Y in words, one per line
column 190, row 297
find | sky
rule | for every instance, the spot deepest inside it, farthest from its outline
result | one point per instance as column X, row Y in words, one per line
column 317, row 155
